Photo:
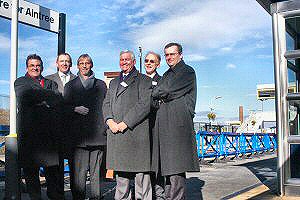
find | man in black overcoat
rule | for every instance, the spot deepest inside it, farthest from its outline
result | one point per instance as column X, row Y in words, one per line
column 38, row 101
column 84, row 97
column 174, row 148
column 126, row 108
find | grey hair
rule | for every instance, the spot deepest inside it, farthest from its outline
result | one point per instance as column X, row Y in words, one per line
column 128, row 51
column 155, row 54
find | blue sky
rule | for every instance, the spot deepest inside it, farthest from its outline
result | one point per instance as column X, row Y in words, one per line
column 228, row 43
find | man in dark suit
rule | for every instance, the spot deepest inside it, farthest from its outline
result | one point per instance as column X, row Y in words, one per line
column 84, row 97
column 61, row 77
column 174, row 150
column 126, row 108
column 152, row 62
column 38, row 101
column 63, row 74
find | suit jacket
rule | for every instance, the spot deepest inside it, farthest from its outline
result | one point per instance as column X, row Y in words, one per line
column 36, row 118
column 85, row 130
column 63, row 130
column 130, row 102
column 176, row 144
column 55, row 77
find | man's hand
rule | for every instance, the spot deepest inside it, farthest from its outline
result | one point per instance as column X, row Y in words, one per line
column 113, row 126
column 122, row 126
column 81, row 110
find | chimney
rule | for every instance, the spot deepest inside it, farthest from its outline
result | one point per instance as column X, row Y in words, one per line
column 241, row 114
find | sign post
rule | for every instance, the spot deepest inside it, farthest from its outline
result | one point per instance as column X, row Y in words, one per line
column 12, row 170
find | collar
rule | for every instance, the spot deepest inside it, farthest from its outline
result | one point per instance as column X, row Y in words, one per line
column 63, row 74
column 151, row 75
column 35, row 79
column 92, row 75
column 128, row 74
column 177, row 67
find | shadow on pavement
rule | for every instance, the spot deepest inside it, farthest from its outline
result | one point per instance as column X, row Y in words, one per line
column 194, row 188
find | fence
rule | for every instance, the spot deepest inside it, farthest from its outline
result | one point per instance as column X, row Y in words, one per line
column 221, row 145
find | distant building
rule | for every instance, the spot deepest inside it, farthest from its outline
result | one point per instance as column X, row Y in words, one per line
column 259, row 122
column 108, row 76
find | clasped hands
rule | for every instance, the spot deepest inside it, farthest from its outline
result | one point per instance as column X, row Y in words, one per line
column 116, row 127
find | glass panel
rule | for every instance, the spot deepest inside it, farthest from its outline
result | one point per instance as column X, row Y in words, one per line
column 292, row 32
column 295, row 160
column 294, row 106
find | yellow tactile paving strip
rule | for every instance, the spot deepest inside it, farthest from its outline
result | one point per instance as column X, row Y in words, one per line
column 261, row 192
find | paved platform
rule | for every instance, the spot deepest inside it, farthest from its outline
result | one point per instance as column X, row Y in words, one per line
column 248, row 178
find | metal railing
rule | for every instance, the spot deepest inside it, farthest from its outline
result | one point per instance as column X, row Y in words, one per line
column 222, row 145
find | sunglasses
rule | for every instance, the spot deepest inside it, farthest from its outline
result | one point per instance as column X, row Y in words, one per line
column 151, row 61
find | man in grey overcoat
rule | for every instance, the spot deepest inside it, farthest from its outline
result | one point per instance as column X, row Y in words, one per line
column 63, row 74
column 174, row 145
column 125, row 109
column 61, row 77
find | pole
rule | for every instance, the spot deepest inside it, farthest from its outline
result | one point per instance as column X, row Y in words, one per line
column 62, row 34
column 12, row 171
column 140, row 50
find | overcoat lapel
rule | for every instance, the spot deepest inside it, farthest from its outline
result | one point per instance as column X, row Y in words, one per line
column 58, row 80
column 129, row 81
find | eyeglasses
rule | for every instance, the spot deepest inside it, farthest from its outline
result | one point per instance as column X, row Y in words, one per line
column 84, row 63
column 171, row 54
column 151, row 61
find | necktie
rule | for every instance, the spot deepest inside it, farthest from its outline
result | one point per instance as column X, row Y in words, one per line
column 124, row 77
column 64, row 79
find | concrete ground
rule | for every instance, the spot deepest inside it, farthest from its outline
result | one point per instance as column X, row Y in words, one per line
column 248, row 178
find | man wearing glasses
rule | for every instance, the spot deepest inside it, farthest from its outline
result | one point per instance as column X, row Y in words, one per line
column 174, row 152
column 152, row 62
column 84, row 97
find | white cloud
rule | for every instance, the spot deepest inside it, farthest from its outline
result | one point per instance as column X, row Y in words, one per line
column 230, row 66
column 5, row 43
column 226, row 49
column 194, row 58
column 199, row 26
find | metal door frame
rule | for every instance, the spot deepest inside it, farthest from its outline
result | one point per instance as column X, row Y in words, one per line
column 280, row 11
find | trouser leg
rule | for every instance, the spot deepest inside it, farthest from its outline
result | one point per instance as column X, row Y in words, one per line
column 80, row 166
column 122, row 189
column 32, row 179
column 52, row 175
column 143, row 188
column 175, row 187
column 158, row 185
column 95, row 163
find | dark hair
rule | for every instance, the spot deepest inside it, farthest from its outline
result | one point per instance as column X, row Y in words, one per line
column 65, row 54
column 82, row 56
column 155, row 54
column 179, row 47
column 35, row 57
